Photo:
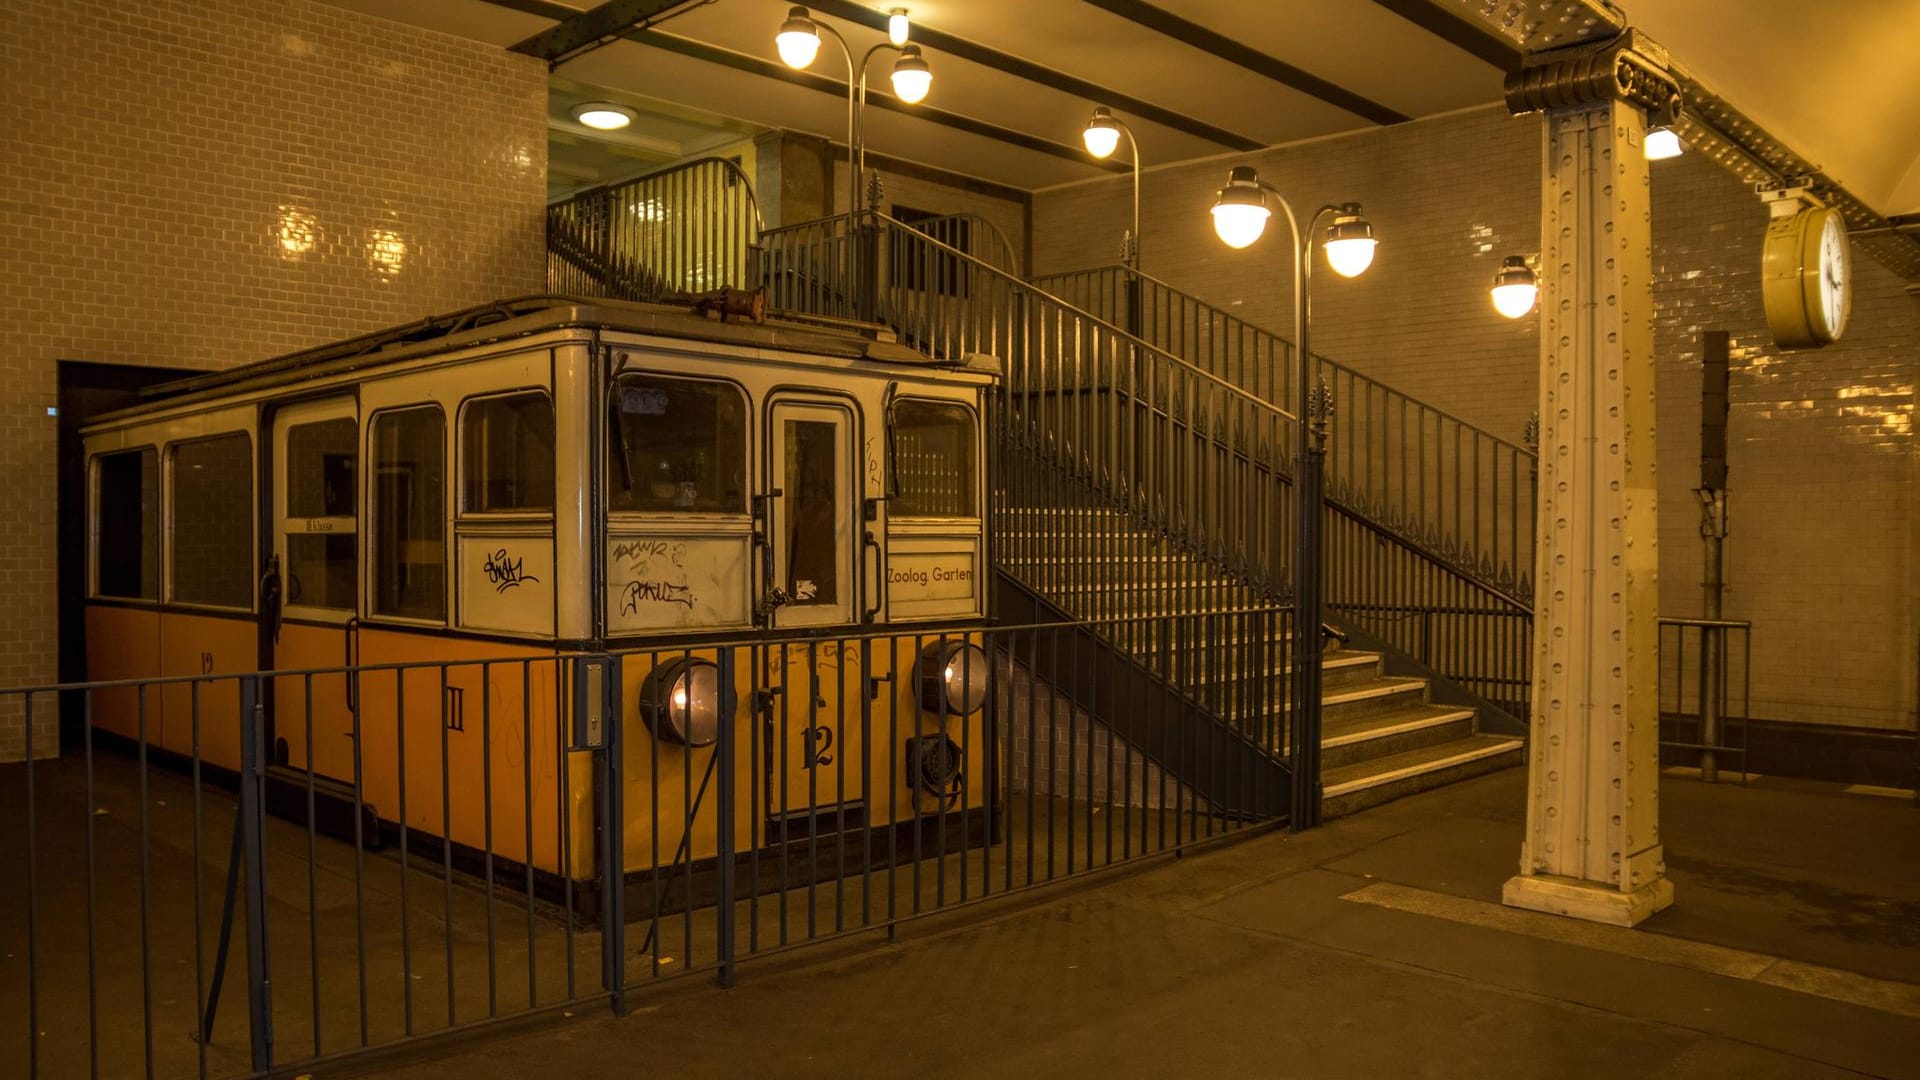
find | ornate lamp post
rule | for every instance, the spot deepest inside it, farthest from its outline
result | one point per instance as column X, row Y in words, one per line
column 799, row 43
column 1239, row 217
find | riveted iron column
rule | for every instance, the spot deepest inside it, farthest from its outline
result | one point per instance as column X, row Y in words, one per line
column 1309, row 490
column 1592, row 848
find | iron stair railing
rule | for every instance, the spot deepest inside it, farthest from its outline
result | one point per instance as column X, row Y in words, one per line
column 1451, row 488
column 1098, row 422
column 689, row 228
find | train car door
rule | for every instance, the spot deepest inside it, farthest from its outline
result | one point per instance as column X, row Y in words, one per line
column 812, row 732
column 313, row 580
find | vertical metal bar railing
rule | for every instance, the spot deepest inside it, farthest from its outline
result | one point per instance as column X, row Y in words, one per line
column 1403, row 463
column 688, row 228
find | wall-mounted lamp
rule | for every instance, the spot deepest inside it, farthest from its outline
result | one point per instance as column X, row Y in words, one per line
column 1514, row 288
column 1662, row 143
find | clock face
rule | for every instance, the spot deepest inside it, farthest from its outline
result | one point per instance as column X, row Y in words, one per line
column 1835, row 280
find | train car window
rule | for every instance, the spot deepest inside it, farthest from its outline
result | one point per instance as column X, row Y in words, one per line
column 409, row 513
column 933, row 460
column 813, row 560
column 127, row 525
column 678, row 445
column 321, row 559
column 506, row 453
column 211, row 522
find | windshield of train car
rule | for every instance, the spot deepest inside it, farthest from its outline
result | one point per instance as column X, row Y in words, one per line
column 678, row 445
column 506, row 453
column 933, row 460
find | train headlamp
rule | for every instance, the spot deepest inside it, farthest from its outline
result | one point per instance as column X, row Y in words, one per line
column 681, row 703
column 953, row 678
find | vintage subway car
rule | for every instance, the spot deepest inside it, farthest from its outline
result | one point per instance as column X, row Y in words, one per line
column 551, row 478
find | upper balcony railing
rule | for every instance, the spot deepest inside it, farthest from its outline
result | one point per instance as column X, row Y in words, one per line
column 689, row 228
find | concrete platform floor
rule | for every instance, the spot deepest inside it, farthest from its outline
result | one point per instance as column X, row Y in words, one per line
column 1373, row 947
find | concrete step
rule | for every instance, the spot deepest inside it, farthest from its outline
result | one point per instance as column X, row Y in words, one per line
column 1340, row 669
column 1381, row 696
column 1358, row 786
column 1351, row 741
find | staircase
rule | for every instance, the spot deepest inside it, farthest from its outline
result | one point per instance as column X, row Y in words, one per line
column 1132, row 484
column 1383, row 735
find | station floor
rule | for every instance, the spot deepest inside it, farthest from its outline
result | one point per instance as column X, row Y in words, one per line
column 1374, row 947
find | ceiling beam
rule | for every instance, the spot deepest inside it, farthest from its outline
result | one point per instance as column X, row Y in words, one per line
column 948, row 44
column 579, row 30
column 754, row 65
column 1458, row 32
column 1208, row 41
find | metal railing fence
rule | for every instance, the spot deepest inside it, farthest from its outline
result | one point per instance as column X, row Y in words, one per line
column 1454, row 489
column 1132, row 481
column 251, row 873
column 1706, row 685
column 690, row 228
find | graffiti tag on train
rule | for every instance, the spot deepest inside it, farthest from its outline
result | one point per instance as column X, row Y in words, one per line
column 641, row 552
column 656, row 592
column 506, row 572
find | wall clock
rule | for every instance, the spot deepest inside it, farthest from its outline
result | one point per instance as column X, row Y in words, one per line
column 1806, row 277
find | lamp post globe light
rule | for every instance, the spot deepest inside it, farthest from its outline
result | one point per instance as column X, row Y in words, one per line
column 798, row 42
column 1240, row 214
column 1514, row 288
column 1102, row 138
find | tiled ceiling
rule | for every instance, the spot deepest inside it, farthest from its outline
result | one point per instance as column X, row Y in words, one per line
column 1227, row 75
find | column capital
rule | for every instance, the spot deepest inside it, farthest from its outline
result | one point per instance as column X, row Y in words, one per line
column 1631, row 67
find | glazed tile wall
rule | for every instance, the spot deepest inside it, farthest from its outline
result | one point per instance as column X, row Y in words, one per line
column 201, row 183
column 1822, row 558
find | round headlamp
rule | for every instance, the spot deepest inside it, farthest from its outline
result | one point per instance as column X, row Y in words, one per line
column 680, row 702
column 953, row 678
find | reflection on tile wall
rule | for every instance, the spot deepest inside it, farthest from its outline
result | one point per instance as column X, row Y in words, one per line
column 1823, row 457
column 201, row 183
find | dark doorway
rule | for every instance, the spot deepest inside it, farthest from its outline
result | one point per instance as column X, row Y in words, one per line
column 87, row 390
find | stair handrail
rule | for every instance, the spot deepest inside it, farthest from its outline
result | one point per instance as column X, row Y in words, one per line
column 1431, row 476
column 1318, row 357
column 1018, row 282
column 727, row 165
column 1241, row 433
column 652, row 250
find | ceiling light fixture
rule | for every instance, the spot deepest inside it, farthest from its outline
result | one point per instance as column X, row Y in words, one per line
column 603, row 115
column 897, row 26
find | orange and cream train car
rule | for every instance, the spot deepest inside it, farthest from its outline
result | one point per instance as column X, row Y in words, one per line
column 555, row 478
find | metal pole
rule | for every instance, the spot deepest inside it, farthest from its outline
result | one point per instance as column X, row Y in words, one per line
column 724, row 826
column 1713, row 529
column 253, row 843
column 1130, row 248
column 613, row 854
column 1715, row 352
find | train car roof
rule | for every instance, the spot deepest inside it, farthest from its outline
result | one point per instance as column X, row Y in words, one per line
column 528, row 315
